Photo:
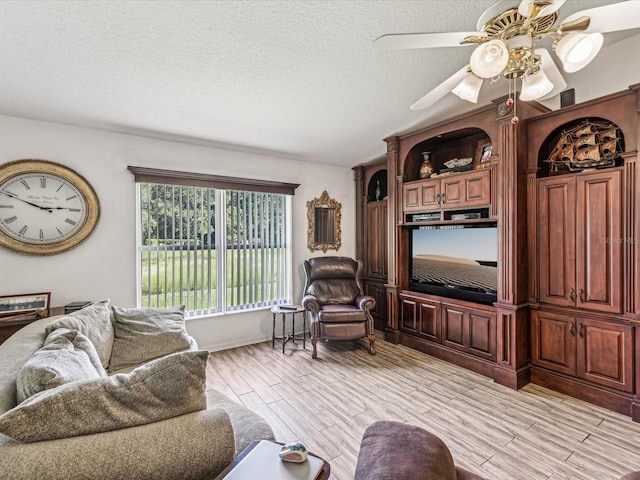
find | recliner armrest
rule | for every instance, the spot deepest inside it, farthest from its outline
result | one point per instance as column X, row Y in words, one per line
column 310, row 303
column 365, row 302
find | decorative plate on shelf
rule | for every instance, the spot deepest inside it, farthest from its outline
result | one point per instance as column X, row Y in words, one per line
column 458, row 162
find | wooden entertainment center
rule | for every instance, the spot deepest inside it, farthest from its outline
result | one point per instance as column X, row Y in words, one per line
column 566, row 314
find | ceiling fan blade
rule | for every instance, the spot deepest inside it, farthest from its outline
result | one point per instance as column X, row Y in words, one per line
column 396, row 41
column 441, row 90
column 552, row 72
column 611, row 18
column 494, row 10
column 525, row 5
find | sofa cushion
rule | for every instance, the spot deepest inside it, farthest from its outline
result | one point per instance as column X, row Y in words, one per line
column 94, row 321
column 165, row 388
column 66, row 356
column 142, row 334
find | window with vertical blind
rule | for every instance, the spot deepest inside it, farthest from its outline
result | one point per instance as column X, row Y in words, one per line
column 213, row 244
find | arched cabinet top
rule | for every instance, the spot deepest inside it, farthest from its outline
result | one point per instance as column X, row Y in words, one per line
column 619, row 109
column 377, row 187
column 459, row 146
column 579, row 144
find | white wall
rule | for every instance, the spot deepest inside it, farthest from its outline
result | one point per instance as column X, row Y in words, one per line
column 104, row 266
column 613, row 70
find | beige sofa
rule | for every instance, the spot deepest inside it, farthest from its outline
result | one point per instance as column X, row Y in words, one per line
column 194, row 445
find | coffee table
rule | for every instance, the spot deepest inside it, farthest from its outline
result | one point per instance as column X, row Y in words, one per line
column 270, row 464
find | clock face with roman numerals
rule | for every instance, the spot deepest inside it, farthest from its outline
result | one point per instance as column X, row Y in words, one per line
column 45, row 208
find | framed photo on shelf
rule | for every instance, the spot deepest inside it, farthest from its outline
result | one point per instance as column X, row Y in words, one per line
column 484, row 150
column 25, row 306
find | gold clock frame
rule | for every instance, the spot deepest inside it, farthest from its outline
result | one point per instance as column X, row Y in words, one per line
column 19, row 167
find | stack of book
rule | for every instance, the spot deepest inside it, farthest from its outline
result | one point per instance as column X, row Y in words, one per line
column 75, row 306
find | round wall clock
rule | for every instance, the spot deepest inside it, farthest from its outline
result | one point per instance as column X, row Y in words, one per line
column 45, row 208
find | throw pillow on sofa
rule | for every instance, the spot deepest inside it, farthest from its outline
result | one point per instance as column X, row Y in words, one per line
column 94, row 321
column 165, row 388
column 142, row 334
column 66, row 356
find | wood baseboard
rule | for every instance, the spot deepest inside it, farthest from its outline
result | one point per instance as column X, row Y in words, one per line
column 513, row 379
column 617, row 401
column 456, row 357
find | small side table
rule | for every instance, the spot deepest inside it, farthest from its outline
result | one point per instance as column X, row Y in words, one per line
column 266, row 466
column 289, row 336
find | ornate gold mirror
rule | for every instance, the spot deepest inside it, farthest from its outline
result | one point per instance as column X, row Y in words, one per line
column 323, row 215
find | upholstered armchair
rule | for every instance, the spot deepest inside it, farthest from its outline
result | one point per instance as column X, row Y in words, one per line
column 337, row 308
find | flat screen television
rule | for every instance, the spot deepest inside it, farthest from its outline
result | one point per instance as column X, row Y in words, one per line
column 456, row 261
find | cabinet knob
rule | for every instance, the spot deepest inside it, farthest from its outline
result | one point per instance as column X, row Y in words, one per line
column 571, row 297
column 581, row 330
column 581, row 295
column 571, row 330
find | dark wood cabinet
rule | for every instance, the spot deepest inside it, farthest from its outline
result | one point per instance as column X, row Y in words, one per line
column 371, row 225
column 491, row 339
column 605, row 353
column 597, row 351
column 421, row 317
column 553, row 343
column 459, row 191
column 375, row 265
column 454, row 326
column 469, row 330
column 567, row 313
column 583, row 232
column 377, row 290
column 579, row 240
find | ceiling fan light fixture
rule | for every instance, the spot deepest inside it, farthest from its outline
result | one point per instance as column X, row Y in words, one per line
column 489, row 59
column 469, row 88
column 576, row 50
column 525, row 6
column 535, row 86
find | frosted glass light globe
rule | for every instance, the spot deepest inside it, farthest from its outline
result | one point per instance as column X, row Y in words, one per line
column 535, row 86
column 490, row 59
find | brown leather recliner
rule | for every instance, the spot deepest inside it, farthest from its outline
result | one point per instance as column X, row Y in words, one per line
column 338, row 309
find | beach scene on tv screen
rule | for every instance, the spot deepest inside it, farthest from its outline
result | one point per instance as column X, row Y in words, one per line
column 463, row 258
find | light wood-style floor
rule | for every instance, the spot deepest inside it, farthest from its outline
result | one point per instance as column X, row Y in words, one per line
column 533, row 433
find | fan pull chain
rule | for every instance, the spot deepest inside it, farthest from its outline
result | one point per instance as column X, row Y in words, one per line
column 513, row 101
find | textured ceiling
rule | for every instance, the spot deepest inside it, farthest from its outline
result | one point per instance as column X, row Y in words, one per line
column 298, row 79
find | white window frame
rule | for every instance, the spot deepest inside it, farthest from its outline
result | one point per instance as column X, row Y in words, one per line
column 173, row 178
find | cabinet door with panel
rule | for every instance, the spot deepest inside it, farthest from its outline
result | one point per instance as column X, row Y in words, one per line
column 377, row 290
column 599, row 241
column 469, row 330
column 579, row 237
column 598, row 351
column 553, row 343
column 556, row 241
column 375, row 241
column 422, row 196
column 466, row 190
column 461, row 190
column 605, row 353
column 420, row 317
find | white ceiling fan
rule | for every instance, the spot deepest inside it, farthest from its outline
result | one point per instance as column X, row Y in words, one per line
column 507, row 46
